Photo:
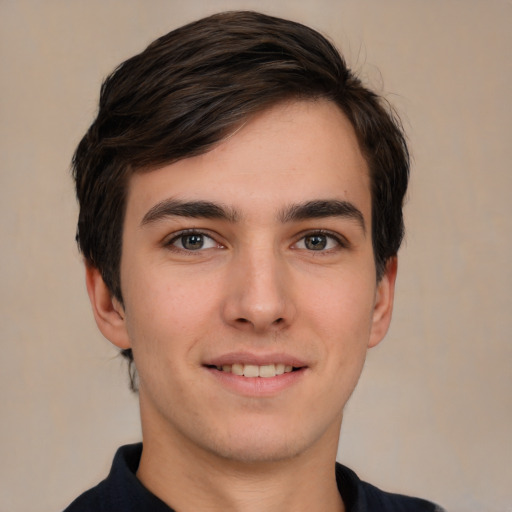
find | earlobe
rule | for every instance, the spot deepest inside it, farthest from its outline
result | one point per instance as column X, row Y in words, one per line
column 108, row 311
column 383, row 307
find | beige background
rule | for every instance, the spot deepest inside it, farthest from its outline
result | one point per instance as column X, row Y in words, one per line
column 433, row 412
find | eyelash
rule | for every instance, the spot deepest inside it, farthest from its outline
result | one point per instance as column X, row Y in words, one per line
column 169, row 244
column 340, row 241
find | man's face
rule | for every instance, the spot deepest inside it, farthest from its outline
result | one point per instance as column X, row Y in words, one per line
column 254, row 258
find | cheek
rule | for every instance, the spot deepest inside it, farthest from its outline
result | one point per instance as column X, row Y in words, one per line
column 342, row 306
column 162, row 305
column 340, row 319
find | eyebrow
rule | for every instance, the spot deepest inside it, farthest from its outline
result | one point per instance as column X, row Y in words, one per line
column 320, row 209
column 316, row 209
column 191, row 209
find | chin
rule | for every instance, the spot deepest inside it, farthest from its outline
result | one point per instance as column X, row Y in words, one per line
column 259, row 449
column 264, row 442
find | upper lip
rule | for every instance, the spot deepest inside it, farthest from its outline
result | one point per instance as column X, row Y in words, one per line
column 255, row 359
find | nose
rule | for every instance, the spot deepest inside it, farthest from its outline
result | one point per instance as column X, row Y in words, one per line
column 259, row 294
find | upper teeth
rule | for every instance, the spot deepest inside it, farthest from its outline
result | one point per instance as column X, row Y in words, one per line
column 252, row 370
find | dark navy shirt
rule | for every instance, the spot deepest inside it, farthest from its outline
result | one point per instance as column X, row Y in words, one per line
column 121, row 491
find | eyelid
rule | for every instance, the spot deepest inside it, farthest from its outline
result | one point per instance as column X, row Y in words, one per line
column 337, row 237
column 169, row 240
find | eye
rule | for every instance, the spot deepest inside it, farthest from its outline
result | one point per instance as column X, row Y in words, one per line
column 192, row 241
column 319, row 242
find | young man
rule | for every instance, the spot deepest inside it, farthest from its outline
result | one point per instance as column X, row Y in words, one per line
column 240, row 214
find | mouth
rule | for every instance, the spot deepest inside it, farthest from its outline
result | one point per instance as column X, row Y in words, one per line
column 257, row 375
column 252, row 370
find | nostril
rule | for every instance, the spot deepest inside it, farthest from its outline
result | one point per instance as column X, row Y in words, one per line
column 277, row 322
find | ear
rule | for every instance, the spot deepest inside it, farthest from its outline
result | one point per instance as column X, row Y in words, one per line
column 383, row 307
column 108, row 311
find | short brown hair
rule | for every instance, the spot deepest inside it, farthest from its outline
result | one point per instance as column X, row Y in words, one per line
column 190, row 88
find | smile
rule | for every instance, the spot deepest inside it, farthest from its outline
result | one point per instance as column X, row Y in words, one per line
column 252, row 370
column 252, row 375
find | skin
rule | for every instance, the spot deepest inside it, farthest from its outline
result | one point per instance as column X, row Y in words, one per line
column 258, row 287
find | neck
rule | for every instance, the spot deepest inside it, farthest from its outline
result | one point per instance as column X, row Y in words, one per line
column 188, row 478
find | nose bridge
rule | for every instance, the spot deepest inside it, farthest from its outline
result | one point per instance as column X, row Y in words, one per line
column 259, row 296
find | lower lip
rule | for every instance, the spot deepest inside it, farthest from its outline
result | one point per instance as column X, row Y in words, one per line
column 257, row 386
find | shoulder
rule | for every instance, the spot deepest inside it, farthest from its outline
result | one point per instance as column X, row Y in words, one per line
column 386, row 501
column 361, row 496
column 93, row 499
column 121, row 491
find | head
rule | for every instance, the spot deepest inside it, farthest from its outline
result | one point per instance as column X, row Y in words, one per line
column 192, row 89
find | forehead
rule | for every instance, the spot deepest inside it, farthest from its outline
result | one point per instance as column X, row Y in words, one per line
column 292, row 152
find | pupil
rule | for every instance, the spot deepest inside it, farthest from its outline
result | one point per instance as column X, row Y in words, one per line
column 193, row 242
column 316, row 242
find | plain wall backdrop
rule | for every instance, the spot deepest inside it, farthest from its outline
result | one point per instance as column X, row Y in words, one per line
column 432, row 415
